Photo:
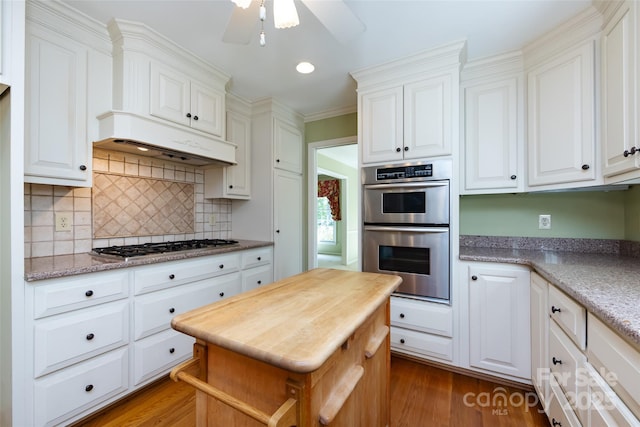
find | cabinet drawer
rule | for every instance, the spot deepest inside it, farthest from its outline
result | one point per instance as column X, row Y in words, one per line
column 605, row 407
column 434, row 346
column 153, row 312
column 70, row 338
column 618, row 359
column 422, row 316
column 569, row 315
column 71, row 293
column 257, row 276
column 567, row 364
column 166, row 275
column 560, row 412
column 159, row 353
column 256, row 257
column 70, row 391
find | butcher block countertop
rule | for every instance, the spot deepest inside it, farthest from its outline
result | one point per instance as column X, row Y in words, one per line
column 295, row 323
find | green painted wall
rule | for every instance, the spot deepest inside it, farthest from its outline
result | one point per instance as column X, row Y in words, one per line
column 632, row 214
column 331, row 128
column 596, row 215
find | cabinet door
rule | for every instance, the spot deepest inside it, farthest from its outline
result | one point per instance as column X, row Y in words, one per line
column 257, row 276
column 561, row 143
column 288, row 250
column 207, row 109
column 539, row 295
column 56, row 143
column 428, row 117
column 169, row 95
column 499, row 320
column 491, row 136
column 618, row 89
column 238, row 177
column 381, row 125
column 287, row 146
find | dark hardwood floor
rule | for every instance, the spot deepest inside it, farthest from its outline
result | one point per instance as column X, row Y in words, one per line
column 421, row 396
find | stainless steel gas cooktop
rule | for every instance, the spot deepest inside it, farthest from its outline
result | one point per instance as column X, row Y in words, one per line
column 129, row 251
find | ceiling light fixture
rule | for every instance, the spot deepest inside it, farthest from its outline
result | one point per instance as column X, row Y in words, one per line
column 305, row 67
column 285, row 14
column 263, row 16
column 242, row 3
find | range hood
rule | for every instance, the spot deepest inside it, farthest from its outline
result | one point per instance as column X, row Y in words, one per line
column 151, row 137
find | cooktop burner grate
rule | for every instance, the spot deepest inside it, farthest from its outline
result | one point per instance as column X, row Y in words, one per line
column 129, row 251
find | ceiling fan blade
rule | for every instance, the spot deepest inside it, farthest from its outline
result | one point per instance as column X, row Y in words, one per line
column 242, row 24
column 336, row 16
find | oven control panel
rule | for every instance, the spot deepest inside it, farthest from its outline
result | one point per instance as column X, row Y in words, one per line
column 403, row 172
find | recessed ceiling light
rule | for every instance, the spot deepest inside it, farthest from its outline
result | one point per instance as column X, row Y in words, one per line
column 305, row 67
column 142, row 149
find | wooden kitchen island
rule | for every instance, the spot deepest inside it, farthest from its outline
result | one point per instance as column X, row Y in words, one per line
column 308, row 350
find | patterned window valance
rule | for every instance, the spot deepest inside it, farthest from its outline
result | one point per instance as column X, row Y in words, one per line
column 331, row 190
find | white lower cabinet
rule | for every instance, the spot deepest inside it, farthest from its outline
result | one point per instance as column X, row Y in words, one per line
column 65, row 339
column 567, row 368
column 591, row 374
column 410, row 342
column 498, row 322
column 605, row 407
column 422, row 329
column 539, row 299
column 80, row 388
column 159, row 353
column 257, row 268
column 559, row 410
column 616, row 360
column 94, row 338
column 153, row 312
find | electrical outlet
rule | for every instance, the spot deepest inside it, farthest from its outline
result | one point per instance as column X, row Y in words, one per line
column 212, row 219
column 544, row 222
column 63, row 221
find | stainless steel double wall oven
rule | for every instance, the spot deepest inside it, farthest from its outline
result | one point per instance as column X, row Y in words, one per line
column 406, row 226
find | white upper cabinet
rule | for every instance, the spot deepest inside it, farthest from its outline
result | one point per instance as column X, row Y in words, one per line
column 381, row 121
column 428, row 116
column 561, row 118
column 176, row 97
column 492, row 143
column 68, row 82
column 408, row 109
column 56, row 134
column 619, row 85
column 233, row 182
column 288, row 146
column 413, row 121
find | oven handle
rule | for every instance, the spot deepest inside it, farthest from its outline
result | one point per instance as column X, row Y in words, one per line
column 407, row 185
column 407, row 229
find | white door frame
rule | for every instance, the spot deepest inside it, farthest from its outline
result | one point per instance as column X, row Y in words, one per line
column 312, row 185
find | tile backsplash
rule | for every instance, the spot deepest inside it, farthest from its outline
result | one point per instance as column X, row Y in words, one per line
column 172, row 207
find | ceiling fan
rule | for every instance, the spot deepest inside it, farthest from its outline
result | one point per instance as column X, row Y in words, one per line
column 335, row 15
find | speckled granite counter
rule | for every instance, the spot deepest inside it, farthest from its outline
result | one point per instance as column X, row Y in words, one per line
column 69, row 265
column 607, row 285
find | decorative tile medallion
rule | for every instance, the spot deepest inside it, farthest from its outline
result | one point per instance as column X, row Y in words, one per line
column 126, row 206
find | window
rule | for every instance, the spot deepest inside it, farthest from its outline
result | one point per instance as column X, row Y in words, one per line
column 326, row 224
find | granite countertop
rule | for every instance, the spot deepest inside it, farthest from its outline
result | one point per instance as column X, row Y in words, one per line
column 68, row 265
column 607, row 285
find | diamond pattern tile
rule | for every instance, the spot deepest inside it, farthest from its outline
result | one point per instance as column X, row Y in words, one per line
column 126, row 206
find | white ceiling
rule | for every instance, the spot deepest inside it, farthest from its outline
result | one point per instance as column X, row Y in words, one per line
column 394, row 29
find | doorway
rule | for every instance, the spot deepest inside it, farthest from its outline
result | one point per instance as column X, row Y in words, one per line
column 334, row 214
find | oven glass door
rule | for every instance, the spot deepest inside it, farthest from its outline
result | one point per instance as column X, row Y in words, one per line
column 420, row 255
column 407, row 203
